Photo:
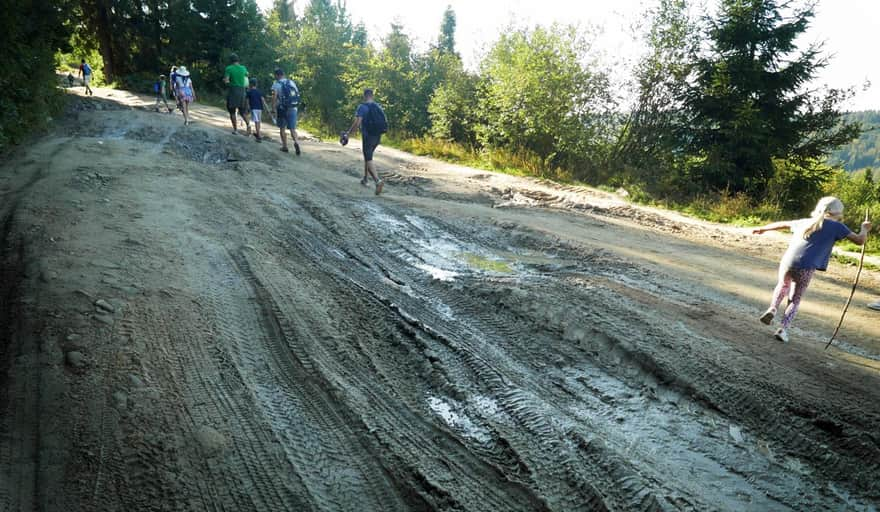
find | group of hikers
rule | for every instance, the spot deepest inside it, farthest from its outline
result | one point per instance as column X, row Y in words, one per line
column 244, row 99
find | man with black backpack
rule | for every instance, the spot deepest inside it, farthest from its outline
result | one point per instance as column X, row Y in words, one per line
column 285, row 99
column 371, row 119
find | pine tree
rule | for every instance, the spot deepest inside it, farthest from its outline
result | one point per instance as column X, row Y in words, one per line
column 749, row 104
column 446, row 42
column 285, row 10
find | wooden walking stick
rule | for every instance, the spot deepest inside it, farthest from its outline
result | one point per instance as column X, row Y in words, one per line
column 853, row 291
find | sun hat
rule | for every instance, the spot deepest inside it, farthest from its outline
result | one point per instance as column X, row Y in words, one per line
column 182, row 71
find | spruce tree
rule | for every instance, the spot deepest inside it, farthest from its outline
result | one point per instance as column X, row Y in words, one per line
column 750, row 103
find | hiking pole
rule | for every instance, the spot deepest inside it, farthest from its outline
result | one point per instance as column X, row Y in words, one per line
column 853, row 291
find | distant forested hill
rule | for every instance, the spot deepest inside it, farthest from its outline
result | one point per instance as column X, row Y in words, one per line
column 864, row 151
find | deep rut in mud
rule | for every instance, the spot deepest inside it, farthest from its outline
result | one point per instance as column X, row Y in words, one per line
column 259, row 333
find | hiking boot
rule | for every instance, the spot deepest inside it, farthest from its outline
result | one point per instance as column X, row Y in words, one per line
column 296, row 148
column 874, row 305
column 781, row 335
column 258, row 138
column 767, row 317
column 364, row 182
column 284, row 149
column 379, row 185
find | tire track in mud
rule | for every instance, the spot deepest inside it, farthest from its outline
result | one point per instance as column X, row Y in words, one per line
column 205, row 409
column 758, row 405
column 412, row 439
column 324, row 452
column 20, row 394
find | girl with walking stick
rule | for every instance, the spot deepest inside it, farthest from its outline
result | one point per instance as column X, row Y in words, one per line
column 809, row 251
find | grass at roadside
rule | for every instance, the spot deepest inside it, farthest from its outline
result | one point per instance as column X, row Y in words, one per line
column 844, row 259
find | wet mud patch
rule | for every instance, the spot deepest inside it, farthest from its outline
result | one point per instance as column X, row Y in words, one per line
column 446, row 252
column 198, row 146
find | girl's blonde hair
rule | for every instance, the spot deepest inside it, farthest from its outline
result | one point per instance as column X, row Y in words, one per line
column 828, row 206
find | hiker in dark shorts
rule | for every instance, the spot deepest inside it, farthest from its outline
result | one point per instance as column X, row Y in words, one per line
column 85, row 72
column 172, row 82
column 285, row 100
column 371, row 119
column 236, row 76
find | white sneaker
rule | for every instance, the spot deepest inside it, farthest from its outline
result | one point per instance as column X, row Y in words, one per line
column 364, row 182
column 781, row 335
column 874, row 305
column 767, row 317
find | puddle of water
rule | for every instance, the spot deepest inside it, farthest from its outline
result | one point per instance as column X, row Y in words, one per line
column 486, row 264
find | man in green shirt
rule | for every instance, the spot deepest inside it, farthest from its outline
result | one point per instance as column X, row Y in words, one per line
column 236, row 76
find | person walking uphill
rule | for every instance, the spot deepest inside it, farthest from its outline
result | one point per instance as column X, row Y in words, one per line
column 186, row 93
column 236, row 76
column 808, row 251
column 256, row 103
column 285, row 99
column 85, row 72
column 371, row 119
column 160, row 89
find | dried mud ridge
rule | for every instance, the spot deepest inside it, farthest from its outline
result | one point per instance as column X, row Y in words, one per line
column 183, row 330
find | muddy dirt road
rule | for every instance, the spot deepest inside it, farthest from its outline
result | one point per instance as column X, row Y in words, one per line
column 192, row 321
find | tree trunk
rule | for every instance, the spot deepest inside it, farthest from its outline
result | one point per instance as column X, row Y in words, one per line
column 104, row 31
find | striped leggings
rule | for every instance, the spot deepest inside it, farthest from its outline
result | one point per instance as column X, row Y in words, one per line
column 800, row 280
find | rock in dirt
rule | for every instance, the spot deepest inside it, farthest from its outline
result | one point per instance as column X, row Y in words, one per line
column 736, row 434
column 211, row 441
column 76, row 359
column 104, row 319
column 135, row 381
column 120, row 400
column 103, row 306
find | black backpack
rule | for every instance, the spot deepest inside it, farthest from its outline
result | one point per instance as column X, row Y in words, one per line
column 375, row 122
column 289, row 95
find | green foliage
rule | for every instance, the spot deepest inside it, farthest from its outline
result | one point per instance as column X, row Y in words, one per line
column 863, row 152
column 858, row 191
column 30, row 32
column 318, row 52
column 647, row 151
column 796, row 186
column 453, row 108
column 147, row 37
column 538, row 96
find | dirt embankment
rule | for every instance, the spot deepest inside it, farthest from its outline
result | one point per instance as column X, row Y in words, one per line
column 192, row 321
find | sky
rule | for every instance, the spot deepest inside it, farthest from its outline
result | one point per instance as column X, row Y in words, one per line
column 846, row 27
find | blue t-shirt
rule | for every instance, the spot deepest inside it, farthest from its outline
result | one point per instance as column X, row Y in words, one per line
column 815, row 251
column 255, row 99
column 361, row 112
